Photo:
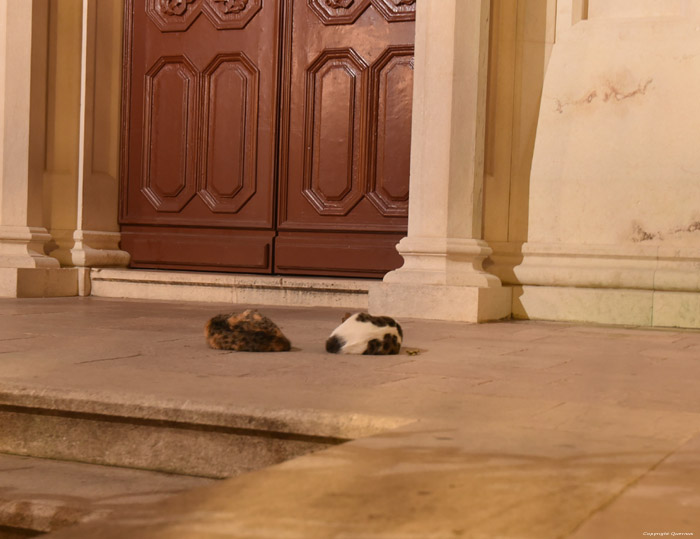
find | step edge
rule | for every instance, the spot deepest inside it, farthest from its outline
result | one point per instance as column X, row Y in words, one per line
column 308, row 424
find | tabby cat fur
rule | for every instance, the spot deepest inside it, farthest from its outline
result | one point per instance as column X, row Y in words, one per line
column 248, row 331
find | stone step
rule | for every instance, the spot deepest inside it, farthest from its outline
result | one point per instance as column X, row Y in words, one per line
column 230, row 288
column 182, row 437
column 43, row 495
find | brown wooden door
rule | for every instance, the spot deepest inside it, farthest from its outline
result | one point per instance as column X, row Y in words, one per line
column 344, row 168
column 201, row 134
column 267, row 135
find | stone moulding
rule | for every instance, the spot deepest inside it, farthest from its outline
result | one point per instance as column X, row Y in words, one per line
column 229, row 288
column 23, row 247
column 443, row 261
column 640, row 267
column 88, row 248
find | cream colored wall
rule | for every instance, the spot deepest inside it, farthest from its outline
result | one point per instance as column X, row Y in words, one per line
column 22, row 109
column 608, row 9
column 3, row 74
column 521, row 41
column 23, row 54
column 83, row 115
column 62, row 117
column 522, row 35
column 618, row 161
column 103, row 128
column 614, row 184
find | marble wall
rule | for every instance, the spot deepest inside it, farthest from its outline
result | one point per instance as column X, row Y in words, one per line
column 614, row 190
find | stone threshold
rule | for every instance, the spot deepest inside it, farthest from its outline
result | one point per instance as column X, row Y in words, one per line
column 230, row 288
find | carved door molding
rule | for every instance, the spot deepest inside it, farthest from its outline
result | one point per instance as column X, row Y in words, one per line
column 348, row 11
column 178, row 15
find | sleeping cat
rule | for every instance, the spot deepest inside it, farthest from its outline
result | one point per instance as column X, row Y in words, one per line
column 362, row 333
column 248, row 331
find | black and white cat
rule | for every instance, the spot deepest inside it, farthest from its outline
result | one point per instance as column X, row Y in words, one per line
column 362, row 333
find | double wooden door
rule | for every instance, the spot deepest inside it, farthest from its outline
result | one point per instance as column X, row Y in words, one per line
column 267, row 136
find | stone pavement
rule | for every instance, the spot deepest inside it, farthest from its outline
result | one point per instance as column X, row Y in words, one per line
column 504, row 430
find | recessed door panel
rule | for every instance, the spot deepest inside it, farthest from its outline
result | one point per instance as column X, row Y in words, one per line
column 229, row 142
column 170, row 134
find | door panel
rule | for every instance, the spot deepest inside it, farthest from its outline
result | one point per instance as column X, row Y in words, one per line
column 345, row 160
column 201, row 116
column 190, row 248
column 229, row 136
column 334, row 253
column 226, row 169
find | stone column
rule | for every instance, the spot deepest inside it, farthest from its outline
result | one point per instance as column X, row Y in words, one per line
column 442, row 276
column 93, row 238
column 25, row 270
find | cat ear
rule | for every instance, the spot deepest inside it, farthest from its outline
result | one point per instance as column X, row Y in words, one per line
column 347, row 315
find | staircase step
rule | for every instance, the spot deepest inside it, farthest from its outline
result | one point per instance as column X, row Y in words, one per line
column 42, row 495
column 231, row 288
column 174, row 437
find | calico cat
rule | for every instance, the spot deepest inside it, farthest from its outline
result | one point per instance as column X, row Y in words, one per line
column 248, row 331
column 362, row 333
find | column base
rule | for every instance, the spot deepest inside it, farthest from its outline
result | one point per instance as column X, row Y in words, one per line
column 23, row 247
column 38, row 282
column 89, row 248
column 443, row 261
column 440, row 302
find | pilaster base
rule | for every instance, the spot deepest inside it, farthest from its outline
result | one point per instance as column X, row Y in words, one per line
column 440, row 302
column 23, row 247
column 89, row 248
column 443, row 261
column 38, row 282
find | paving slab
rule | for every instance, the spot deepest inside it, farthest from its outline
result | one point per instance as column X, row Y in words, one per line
column 43, row 495
column 663, row 502
column 512, row 429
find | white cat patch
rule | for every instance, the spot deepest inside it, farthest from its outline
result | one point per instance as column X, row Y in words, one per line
column 365, row 334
